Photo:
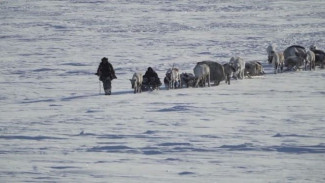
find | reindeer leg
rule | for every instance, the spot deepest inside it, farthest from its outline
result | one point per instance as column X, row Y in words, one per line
column 197, row 83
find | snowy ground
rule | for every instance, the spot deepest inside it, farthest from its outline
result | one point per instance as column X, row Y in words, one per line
column 56, row 127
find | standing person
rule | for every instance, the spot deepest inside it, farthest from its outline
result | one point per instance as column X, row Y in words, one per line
column 106, row 74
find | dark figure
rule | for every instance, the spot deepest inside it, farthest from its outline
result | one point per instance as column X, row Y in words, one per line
column 106, row 74
column 151, row 79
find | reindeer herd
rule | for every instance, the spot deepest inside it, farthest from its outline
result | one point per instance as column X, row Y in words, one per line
column 294, row 58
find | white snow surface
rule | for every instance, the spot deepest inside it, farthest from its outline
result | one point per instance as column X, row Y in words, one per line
column 56, row 127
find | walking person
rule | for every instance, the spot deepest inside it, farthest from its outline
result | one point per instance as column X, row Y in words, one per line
column 106, row 74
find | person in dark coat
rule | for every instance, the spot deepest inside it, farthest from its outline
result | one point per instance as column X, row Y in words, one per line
column 106, row 74
column 151, row 77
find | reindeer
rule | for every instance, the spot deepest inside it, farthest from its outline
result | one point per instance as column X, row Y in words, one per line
column 136, row 82
column 229, row 70
column 202, row 74
column 239, row 65
column 172, row 79
column 310, row 60
column 277, row 61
